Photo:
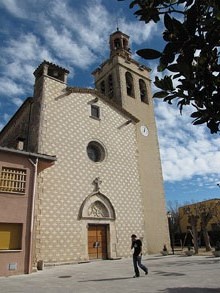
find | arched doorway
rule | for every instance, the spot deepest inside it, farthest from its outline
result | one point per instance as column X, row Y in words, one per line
column 98, row 215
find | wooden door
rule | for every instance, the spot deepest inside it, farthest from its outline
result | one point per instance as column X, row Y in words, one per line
column 97, row 241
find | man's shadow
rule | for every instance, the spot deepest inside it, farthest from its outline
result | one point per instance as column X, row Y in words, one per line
column 108, row 279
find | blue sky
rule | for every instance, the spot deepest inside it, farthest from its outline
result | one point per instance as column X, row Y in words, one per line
column 74, row 34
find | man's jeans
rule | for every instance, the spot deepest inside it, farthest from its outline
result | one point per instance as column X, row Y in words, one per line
column 137, row 263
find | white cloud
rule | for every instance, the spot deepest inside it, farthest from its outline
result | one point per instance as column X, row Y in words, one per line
column 138, row 31
column 17, row 101
column 13, row 7
column 28, row 9
column 26, row 47
column 186, row 150
column 64, row 47
column 9, row 87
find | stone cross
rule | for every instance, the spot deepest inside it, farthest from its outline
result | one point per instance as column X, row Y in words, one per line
column 97, row 183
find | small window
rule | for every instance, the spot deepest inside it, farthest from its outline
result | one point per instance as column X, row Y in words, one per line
column 10, row 236
column 20, row 143
column 95, row 151
column 13, row 180
column 143, row 91
column 129, row 84
column 95, row 111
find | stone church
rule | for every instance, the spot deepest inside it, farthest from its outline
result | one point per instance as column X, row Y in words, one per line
column 107, row 181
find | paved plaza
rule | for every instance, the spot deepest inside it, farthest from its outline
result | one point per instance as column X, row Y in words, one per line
column 168, row 274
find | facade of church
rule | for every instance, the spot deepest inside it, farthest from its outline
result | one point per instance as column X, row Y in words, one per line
column 107, row 182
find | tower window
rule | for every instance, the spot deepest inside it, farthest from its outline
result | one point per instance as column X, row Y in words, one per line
column 143, row 91
column 129, row 84
column 125, row 44
column 117, row 43
column 102, row 87
column 95, row 111
column 53, row 72
column 110, row 86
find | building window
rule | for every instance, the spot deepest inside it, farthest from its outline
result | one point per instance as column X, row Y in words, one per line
column 102, row 87
column 95, row 111
column 117, row 44
column 13, row 180
column 143, row 91
column 110, row 86
column 10, row 236
column 129, row 84
column 95, row 151
column 20, row 143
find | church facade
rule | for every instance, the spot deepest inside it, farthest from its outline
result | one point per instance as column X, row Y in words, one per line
column 107, row 181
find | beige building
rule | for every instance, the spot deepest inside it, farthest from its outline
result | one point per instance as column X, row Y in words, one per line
column 107, row 182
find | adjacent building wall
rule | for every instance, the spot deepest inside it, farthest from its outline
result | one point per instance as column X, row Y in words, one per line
column 16, row 208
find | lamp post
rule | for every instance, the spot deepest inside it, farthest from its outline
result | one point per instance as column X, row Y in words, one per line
column 170, row 223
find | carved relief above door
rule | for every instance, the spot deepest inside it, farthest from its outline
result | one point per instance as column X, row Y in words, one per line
column 97, row 206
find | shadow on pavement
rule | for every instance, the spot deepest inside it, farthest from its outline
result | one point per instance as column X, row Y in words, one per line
column 64, row 277
column 168, row 273
column 109, row 279
column 191, row 290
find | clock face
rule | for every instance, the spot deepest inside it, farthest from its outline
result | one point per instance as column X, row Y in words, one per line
column 144, row 130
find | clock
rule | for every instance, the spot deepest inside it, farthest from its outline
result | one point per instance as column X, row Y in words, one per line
column 144, row 130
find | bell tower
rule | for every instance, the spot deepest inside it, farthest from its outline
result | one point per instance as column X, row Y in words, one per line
column 127, row 83
column 119, row 42
column 123, row 79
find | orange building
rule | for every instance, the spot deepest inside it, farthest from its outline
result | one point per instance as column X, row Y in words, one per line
column 202, row 216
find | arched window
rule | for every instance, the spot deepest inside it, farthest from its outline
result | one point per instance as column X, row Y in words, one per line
column 110, row 86
column 117, row 44
column 125, row 44
column 143, row 91
column 129, row 84
column 102, row 87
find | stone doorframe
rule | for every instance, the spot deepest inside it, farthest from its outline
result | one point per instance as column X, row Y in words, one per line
column 97, row 209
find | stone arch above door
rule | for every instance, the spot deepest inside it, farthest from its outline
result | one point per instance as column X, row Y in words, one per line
column 97, row 206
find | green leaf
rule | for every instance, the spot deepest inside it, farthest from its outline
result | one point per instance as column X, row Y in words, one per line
column 169, row 83
column 200, row 121
column 160, row 95
column 168, row 22
column 149, row 53
column 196, row 114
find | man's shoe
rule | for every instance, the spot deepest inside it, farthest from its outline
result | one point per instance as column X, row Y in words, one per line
column 135, row 276
column 146, row 273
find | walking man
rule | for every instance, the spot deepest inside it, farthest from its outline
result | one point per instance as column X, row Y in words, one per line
column 136, row 244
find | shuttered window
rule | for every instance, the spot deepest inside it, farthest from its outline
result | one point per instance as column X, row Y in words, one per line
column 10, row 236
column 13, row 180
